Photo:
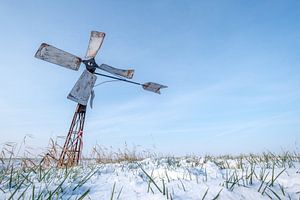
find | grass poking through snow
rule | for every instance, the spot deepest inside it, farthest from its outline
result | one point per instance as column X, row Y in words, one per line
column 129, row 174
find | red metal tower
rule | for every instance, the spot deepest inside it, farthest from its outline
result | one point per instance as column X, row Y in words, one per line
column 71, row 151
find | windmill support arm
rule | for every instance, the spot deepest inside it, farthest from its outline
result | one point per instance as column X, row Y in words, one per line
column 116, row 78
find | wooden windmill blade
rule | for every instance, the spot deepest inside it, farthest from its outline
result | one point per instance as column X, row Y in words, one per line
column 96, row 40
column 82, row 89
column 118, row 72
column 57, row 56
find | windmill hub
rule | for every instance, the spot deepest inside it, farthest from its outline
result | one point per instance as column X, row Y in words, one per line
column 83, row 89
column 90, row 65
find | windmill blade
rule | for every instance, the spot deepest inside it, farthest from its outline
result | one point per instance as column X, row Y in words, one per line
column 119, row 72
column 153, row 87
column 95, row 43
column 81, row 91
column 54, row 55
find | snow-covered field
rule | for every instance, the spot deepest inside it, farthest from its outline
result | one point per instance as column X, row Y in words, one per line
column 266, row 176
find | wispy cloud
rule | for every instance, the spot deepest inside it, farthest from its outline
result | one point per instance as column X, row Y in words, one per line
column 191, row 114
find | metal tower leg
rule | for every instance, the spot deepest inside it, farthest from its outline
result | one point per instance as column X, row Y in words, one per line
column 71, row 151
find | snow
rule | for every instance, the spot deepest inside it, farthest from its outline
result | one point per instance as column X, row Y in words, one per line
column 168, row 178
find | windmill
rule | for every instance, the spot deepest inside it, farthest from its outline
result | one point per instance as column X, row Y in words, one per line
column 83, row 89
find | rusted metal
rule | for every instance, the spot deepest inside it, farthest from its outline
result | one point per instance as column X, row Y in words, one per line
column 57, row 56
column 83, row 87
column 72, row 149
column 95, row 43
column 119, row 72
column 153, row 87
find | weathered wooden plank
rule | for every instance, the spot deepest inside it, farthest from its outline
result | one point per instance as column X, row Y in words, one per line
column 95, row 43
column 153, row 87
column 119, row 72
column 54, row 55
column 81, row 91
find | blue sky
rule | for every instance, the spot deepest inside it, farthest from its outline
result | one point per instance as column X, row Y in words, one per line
column 232, row 68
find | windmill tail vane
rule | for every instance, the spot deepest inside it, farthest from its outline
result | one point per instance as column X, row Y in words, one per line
column 82, row 91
